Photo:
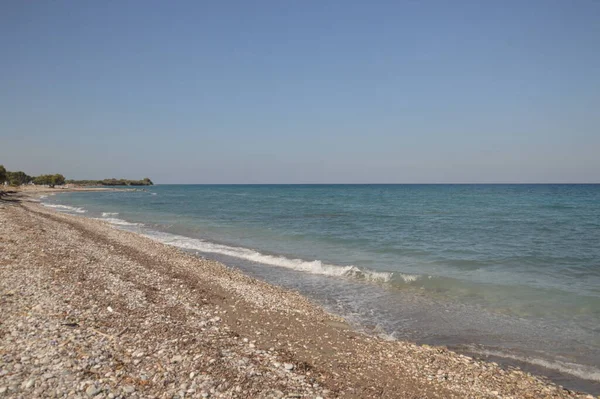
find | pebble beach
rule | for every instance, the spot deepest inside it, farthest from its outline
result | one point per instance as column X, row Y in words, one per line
column 90, row 311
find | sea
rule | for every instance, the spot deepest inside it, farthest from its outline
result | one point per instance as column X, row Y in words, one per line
column 508, row 273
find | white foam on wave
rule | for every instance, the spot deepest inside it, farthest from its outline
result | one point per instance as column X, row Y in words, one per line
column 577, row 370
column 65, row 208
column 109, row 214
column 408, row 278
column 118, row 222
column 314, row 267
column 43, row 196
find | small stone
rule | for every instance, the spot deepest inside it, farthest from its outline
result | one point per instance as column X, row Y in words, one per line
column 47, row 376
column 177, row 359
column 110, row 309
column 92, row 391
column 29, row 384
column 288, row 366
column 129, row 389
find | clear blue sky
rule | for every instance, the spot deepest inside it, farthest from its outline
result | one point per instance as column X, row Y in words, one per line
column 302, row 91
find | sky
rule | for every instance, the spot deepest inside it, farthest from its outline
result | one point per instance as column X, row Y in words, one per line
column 412, row 91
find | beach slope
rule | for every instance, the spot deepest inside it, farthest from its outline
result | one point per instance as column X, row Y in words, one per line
column 88, row 310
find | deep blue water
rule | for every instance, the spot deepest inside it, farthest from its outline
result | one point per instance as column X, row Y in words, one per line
column 510, row 270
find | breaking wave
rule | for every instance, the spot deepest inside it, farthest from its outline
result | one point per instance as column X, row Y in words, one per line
column 118, row 222
column 65, row 208
column 109, row 214
column 408, row 278
column 574, row 369
column 314, row 267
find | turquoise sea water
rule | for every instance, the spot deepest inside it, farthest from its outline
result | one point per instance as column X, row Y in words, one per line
column 509, row 271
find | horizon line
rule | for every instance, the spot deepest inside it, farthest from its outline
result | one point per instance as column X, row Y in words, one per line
column 379, row 184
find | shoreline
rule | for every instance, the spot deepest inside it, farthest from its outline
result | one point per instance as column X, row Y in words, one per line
column 284, row 336
column 33, row 190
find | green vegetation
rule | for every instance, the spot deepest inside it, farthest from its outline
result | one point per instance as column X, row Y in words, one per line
column 112, row 182
column 19, row 178
column 14, row 178
column 84, row 182
column 50, row 180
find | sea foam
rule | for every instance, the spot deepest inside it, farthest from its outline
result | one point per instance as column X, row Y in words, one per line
column 314, row 267
column 109, row 214
column 65, row 208
column 118, row 222
column 578, row 370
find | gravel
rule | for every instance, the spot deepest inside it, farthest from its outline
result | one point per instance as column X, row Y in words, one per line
column 90, row 311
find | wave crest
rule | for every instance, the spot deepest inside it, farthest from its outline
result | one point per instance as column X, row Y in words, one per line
column 314, row 267
column 118, row 222
column 65, row 208
column 578, row 370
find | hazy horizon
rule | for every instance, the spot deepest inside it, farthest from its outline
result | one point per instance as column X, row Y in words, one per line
column 303, row 93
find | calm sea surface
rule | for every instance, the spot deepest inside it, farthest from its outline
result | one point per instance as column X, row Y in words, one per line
column 507, row 271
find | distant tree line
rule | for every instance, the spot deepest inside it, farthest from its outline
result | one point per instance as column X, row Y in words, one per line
column 50, row 180
column 112, row 182
column 20, row 178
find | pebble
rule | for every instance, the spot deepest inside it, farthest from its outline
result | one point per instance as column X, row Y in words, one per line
column 128, row 388
column 170, row 338
column 92, row 391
